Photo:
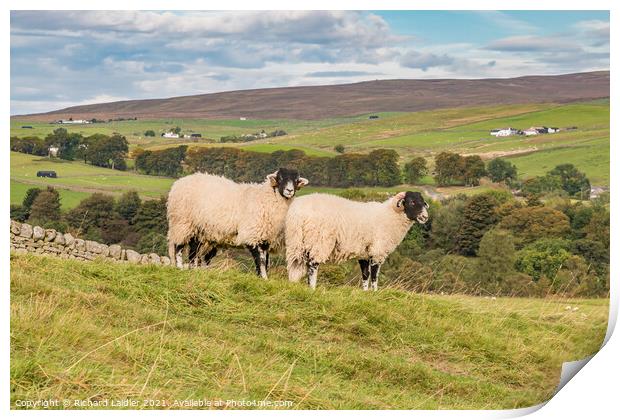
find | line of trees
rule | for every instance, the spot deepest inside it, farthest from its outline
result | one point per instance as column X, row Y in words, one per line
column 98, row 149
column 454, row 169
column 165, row 162
column 377, row 168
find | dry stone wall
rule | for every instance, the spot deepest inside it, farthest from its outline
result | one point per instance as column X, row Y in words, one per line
column 36, row 240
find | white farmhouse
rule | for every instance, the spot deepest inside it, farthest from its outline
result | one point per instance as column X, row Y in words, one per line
column 170, row 135
column 532, row 131
column 242, row 118
column 52, row 151
column 73, row 122
column 504, row 132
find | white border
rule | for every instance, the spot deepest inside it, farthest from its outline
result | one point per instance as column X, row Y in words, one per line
column 593, row 393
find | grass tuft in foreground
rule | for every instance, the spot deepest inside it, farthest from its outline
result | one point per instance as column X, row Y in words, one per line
column 112, row 331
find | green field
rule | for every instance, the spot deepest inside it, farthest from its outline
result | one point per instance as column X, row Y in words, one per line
column 462, row 130
column 82, row 178
column 209, row 129
column 68, row 198
column 147, row 332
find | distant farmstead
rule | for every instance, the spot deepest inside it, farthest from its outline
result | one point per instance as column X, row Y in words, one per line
column 72, row 121
column 504, row 132
column 170, row 135
column 532, row 131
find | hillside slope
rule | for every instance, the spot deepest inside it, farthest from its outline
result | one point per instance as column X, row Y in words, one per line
column 314, row 102
column 96, row 331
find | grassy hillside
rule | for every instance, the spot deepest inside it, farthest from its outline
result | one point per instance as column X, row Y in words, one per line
column 68, row 198
column 209, row 129
column 96, row 331
column 82, row 178
column 463, row 130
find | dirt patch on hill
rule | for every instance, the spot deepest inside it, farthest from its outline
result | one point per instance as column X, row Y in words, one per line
column 503, row 153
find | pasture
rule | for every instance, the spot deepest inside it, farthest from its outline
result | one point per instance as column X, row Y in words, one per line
column 150, row 332
column 82, row 178
column 426, row 133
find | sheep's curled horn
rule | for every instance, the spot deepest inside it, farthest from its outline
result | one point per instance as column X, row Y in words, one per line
column 401, row 198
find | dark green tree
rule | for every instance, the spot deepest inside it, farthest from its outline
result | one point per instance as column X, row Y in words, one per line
column 107, row 152
column 166, row 162
column 449, row 168
column 115, row 230
column 91, row 213
column 473, row 170
column 541, row 185
column 500, row 170
column 149, row 133
column 385, row 163
column 128, row 205
column 153, row 242
column 479, row 215
column 18, row 213
column 339, row 148
column 66, row 142
column 529, row 224
column 415, row 169
column 575, row 183
column 447, row 220
column 45, row 207
column 151, row 217
column 496, row 259
column 31, row 195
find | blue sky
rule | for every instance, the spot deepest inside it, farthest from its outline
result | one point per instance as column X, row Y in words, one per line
column 64, row 58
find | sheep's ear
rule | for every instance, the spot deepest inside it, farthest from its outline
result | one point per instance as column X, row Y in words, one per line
column 301, row 182
column 399, row 199
column 273, row 179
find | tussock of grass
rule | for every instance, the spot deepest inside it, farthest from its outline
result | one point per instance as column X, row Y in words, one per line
column 97, row 331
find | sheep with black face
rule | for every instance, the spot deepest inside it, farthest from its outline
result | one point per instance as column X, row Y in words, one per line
column 208, row 211
column 322, row 227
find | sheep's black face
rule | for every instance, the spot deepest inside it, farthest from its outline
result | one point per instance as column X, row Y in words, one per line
column 415, row 207
column 287, row 181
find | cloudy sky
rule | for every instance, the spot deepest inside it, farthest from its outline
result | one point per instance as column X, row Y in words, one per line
column 64, row 58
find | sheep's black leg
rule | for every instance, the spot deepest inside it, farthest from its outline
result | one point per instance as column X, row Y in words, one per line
column 256, row 255
column 364, row 265
column 313, row 270
column 206, row 259
column 374, row 276
column 194, row 258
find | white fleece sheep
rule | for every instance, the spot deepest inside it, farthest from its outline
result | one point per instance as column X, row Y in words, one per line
column 211, row 210
column 323, row 227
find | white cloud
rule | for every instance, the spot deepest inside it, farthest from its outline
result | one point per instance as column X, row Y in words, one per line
column 531, row 43
column 66, row 58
